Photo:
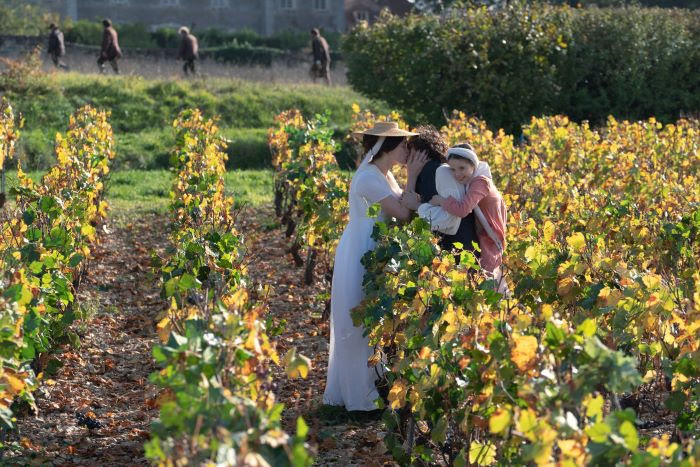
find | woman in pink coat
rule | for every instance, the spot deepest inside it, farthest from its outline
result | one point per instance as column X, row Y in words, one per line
column 483, row 198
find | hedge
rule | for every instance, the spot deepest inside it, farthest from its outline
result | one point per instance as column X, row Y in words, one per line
column 243, row 54
column 242, row 46
column 509, row 64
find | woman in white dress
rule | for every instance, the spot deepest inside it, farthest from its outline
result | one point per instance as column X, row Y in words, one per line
column 350, row 381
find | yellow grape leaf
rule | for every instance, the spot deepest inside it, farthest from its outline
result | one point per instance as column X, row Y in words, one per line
column 661, row 447
column 549, row 230
column 542, row 453
column 450, row 315
column 531, row 253
column 253, row 343
column 526, row 424
column 424, row 353
column 561, row 133
column 237, row 300
column 482, row 454
column 522, row 322
column 524, row 351
column 16, row 384
column 564, row 286
column 374, row 359
column 296, row 365
column 446, row 291
column 397, row 394
column 653, row 301
column 577, row 242
column 87, row 230
column 594, row 407
column 629, row 434
column 572, row 449
column 547, row 311
column 598, row 432
column 588, row 327
column 546, row 433
column 163, row 328
column 499, row 421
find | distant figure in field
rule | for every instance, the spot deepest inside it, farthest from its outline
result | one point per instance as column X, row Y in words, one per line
column 189, row 50
column 321, row 67
column 57, row 47
column 110, row 51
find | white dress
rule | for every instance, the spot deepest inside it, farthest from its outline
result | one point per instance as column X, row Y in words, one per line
column 349, row 381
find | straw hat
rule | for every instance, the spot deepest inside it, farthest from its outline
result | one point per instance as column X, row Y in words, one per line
column 386, row 129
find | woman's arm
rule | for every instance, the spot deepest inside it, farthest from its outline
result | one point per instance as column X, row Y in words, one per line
column 478, row 190
column 393, row 207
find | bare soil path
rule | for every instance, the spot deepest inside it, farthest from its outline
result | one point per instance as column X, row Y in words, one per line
column 97, row 408
column 336, row 436
column 105, row 380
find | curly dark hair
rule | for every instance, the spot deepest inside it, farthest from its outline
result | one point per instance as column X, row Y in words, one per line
column 431, row 141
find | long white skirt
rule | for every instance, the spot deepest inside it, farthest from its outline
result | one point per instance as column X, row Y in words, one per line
column 349, row 381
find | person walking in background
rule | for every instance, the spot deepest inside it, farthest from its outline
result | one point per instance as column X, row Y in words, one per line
column 110, row 51
column 189, row 50
column 321, row 67
column 57, row 47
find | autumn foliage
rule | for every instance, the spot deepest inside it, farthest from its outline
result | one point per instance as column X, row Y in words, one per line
column 597, row 342
column 45, row 244
column 216, row 401
column 311, row 193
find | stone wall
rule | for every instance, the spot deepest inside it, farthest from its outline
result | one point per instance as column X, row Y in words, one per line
column 13, row 46
column 263, row 16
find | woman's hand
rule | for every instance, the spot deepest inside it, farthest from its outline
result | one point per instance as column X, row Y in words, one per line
column 410, row 200
column 437, row 200
column 415, row 163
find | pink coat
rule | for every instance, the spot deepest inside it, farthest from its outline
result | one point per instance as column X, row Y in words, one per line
column 483, row 192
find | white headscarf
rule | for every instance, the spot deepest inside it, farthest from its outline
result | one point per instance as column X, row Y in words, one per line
column 482, row 169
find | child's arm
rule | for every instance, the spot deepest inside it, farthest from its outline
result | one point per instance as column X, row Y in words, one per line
column 478, row 190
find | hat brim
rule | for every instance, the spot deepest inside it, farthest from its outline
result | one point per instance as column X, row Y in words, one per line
column 387, row 133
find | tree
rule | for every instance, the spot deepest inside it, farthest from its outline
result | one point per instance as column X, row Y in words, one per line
column 692, row 4
column 437, row 6
column 24, row 19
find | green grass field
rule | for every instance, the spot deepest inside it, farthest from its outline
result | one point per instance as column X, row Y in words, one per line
column 142, row 111
column 133, row 192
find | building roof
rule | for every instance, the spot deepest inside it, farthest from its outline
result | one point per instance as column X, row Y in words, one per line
column 356, row 10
